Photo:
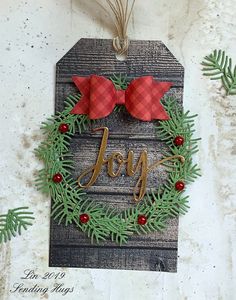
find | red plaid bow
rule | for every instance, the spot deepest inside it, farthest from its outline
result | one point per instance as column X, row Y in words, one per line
column 141, row 98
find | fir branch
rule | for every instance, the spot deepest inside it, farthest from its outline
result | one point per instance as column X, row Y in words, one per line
column 180, row 123
column 54, row 150
column 13, row 222
column 119, row 81
column 217, row 66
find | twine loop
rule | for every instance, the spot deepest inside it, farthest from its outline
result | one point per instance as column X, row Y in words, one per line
column 121, row 46
column 120, row 12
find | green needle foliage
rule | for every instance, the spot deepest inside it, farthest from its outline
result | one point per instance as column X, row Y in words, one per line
column 120, row 82
column 69, row 201
column 13, row 222
column 218, row 66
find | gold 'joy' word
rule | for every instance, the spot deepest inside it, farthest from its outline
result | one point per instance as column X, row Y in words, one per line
column 131, row 169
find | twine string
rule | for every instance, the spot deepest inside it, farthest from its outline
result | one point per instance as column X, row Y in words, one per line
column 120, row 12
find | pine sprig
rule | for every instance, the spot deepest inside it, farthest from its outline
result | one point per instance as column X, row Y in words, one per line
column 119, row 81
column 218, row 66
column 180, row 123
column 69, row 202
column 14, row 222
column 55, row 150
column 166, row 202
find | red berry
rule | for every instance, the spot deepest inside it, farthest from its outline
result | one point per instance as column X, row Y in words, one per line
column 63, row 128
column 84, row 218
column 179, row 186
column 179, row 141
column 142, row 220
column 57, row 178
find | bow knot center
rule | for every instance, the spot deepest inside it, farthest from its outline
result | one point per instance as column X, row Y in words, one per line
column 120, row 97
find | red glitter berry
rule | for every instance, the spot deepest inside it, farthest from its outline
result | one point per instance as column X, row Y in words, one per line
column 142, row 220
column 57, row 178
column 63, row 128
column 84, row 218
column 179, row 141
column 179, row 186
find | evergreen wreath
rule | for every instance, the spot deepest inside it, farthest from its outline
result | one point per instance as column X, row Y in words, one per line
column 13, row 222
column 219, row 66
column 71, row 205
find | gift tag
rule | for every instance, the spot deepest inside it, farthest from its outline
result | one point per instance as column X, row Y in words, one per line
column 122, row 157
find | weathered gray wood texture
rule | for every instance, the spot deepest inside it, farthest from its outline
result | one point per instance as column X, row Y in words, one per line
column 68, row 246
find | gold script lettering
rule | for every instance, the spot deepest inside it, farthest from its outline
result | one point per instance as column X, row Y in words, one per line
column 131, row 169
column 96, row 169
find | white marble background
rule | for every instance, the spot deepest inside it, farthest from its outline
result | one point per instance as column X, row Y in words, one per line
column 33, row 36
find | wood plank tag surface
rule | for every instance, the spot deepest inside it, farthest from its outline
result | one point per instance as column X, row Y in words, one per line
column 68, row 246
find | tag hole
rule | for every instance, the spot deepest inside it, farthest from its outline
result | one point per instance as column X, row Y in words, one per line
column 121, row 57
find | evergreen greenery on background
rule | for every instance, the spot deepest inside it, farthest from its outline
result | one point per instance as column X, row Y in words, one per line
column 69, row 201
column 218, row 66
column 14, row 222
